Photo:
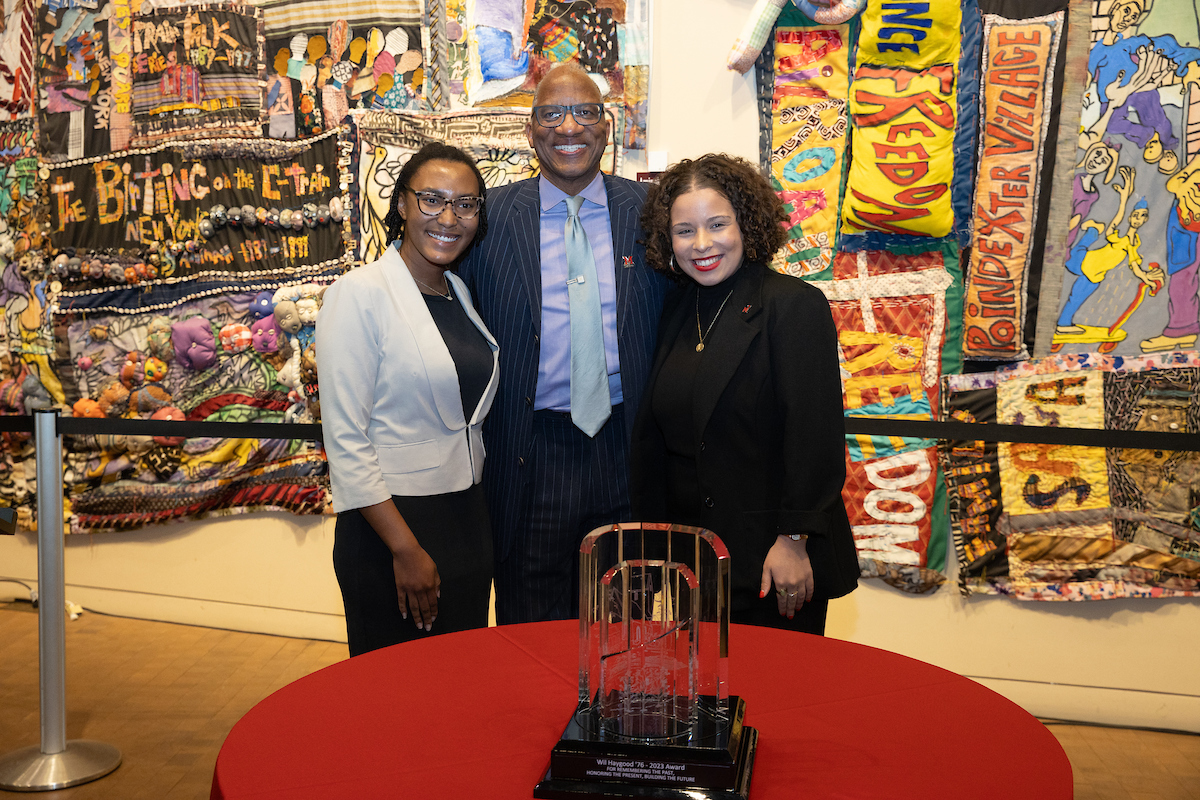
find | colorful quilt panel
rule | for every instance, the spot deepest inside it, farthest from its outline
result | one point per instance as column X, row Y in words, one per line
column 809, row 140
column 890, row 311
column 903, row 104
column 1128, row 282
column 224, row 357
column 1014, row 96
column 1075, row 523
column 326, row 57
column 75, row 77
column 16, row 58
column 159, row 216
column 196, row 70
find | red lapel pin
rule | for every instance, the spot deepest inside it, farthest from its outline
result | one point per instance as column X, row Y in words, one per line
column 627, row 262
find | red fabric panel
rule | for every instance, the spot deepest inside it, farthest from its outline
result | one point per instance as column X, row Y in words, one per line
column 474, row 715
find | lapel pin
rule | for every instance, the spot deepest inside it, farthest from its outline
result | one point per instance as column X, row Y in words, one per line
column 746, row 310
column 627, row 262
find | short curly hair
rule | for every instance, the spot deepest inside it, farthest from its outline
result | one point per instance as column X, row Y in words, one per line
column 758, row 210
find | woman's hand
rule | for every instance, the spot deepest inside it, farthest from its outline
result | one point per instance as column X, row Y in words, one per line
column 417, row 585
column 417, row 581
column 788, row 567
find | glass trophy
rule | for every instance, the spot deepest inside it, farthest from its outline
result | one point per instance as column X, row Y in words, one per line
column 654, row 717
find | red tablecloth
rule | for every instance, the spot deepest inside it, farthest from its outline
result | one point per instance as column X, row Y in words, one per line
column 472, row 716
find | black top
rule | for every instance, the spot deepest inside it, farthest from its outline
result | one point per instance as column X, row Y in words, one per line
column 470, row 351
column 671, row 397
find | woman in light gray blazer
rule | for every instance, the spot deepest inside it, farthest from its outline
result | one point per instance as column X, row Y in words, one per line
column 408, row 372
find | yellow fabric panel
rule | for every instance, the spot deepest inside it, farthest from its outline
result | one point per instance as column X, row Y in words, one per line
column 915, row 35
column 1039, row 478
column 808, row 138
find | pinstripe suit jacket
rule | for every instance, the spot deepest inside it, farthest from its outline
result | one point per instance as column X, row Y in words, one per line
column 503, row 272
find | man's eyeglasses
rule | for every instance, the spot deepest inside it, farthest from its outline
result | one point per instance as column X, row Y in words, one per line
column 432, row 204
column 553, row 116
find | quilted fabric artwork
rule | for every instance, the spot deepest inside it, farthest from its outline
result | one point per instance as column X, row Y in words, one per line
column 500, row 49
column 177, row 213
column 1155, row 493
column 809, row 140
column 904, row 86
column 496, row 34
column 27, row 371
column 73, row 108
column 1076, row 523
column 326, row 57
column 16, row 58
column 1041, row 478
column 1014, row 101
column 381, row 142
column 175, row 360
column 972, row 470
column 1128, row 282
column 891, row 315
column 196, row 70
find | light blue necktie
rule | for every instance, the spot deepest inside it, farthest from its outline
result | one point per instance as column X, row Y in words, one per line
column 590, row 405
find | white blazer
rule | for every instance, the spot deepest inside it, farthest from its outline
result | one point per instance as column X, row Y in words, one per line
column 391, row 409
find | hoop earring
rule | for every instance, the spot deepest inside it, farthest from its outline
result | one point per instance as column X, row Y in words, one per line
column 671, row 264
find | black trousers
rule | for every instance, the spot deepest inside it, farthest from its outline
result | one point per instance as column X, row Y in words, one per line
column 765, row 612
column 578, row 484
column 454, row 530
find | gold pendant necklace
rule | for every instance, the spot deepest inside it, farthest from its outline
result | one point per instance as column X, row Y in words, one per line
column 444, row 295
column 703, row 334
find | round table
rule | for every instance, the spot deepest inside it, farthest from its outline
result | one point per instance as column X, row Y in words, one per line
column 475, row 714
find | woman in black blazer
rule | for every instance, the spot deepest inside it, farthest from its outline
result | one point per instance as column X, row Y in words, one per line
column 741, row 428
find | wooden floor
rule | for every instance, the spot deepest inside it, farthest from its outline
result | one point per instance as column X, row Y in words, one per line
column 166, row 695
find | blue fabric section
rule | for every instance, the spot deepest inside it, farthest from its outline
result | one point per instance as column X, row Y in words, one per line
column 882, row 446
column 965, row 137
column 1181, row 243
column 495, row 55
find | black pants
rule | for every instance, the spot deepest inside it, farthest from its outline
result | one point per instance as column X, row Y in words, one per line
column 578, row 484
column 765, row 612
column 455, row 532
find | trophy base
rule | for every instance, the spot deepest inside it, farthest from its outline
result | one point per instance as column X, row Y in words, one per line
column 586, row 765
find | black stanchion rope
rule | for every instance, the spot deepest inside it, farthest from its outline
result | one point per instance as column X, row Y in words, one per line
column 871, row 426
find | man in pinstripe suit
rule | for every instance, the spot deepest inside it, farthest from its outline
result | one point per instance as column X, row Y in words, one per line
column 548, row 482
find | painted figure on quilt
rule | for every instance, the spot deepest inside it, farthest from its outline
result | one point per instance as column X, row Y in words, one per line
column 1122, row 88
column 1091, row 265
column 1139, row 113
column 1183, row 263
column 1099, row 159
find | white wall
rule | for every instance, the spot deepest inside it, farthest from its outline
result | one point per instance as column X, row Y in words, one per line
column 1119, row 661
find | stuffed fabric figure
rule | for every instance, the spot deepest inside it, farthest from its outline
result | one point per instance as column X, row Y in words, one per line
column 762, row 18
column 262, row 335
column 296, row 308
column 195, row 344
column 754, row 35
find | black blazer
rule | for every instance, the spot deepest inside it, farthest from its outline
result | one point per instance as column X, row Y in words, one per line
column 503, row 272
column 770, row 438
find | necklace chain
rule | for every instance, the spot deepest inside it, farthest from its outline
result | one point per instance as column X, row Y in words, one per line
column 702, row 333
column 446, row 294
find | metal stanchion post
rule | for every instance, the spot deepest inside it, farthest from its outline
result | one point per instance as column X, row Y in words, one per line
column 58, row 763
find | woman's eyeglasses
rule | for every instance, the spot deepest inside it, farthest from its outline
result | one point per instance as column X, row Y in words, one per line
column 553, row 116
column 432, row 204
